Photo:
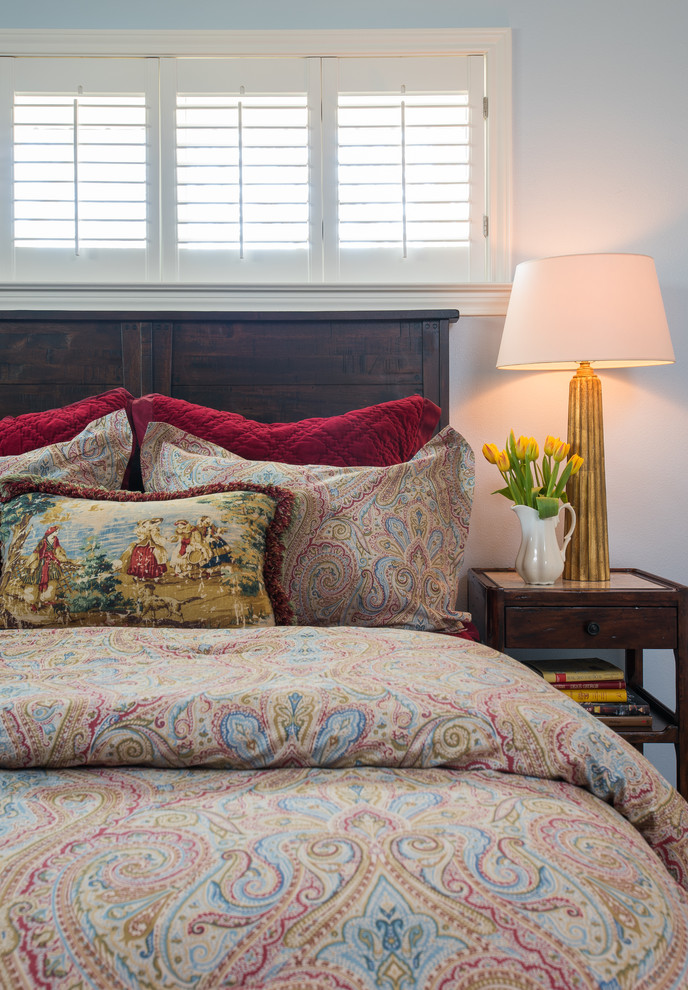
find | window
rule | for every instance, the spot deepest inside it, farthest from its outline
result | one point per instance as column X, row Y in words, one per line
column 299, row 168
column 242, row 172
column 404, row 170
column 410, row 168
column 79, row 172
column 82, row 186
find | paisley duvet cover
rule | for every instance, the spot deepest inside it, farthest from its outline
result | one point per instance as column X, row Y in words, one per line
column 322, row 809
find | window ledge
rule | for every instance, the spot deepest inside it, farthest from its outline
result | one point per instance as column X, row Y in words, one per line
column 475, row 299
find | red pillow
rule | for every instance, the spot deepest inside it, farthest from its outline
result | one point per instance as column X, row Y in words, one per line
column 376, row 436
column 18, row 434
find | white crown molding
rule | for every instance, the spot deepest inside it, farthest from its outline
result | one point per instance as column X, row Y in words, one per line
column 19, row 41
column 471, row 300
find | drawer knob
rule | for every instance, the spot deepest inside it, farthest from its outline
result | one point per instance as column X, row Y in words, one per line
column 592, row 628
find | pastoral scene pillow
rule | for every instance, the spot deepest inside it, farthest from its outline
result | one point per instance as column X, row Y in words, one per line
column 203, row 560
column 96, row 457
column 383, row 434
column 365, row 546
column 38, row 429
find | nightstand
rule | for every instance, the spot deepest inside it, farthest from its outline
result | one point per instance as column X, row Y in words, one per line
column 633, row 611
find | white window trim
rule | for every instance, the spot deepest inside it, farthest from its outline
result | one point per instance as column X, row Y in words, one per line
column 489, row 298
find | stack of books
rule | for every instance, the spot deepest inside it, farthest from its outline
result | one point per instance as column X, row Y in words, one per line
column 600, row 687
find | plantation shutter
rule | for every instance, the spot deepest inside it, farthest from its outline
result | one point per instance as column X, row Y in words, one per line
column 243, row 139
column 83, row 175
column 408, row 148
column 243, row 170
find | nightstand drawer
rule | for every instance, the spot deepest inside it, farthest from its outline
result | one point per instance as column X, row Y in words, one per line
column 584, row 627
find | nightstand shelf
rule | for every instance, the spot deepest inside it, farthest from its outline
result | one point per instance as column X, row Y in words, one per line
column 633, row 611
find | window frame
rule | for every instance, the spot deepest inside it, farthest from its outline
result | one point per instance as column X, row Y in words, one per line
column 488, row 297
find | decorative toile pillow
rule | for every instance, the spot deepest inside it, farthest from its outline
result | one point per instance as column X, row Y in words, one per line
column 97, row 457
column 82, row 557
column 374, row 546
column 38, row 429
column 383, row 434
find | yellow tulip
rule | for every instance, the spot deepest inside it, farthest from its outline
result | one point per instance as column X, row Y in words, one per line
column 490, row 451
column 532, row 450
column 551, row 445
column 561, row 451
column 520, row 446
column 576, row 463
column 503, row 462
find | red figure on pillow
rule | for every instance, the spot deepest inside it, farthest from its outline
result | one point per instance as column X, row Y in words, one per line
column 148, row 555
column 44, row 569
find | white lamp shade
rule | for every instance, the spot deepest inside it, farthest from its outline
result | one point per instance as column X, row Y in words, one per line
column 603, row 308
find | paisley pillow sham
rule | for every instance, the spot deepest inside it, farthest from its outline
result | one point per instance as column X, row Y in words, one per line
column 98, row 456
column 371, row 546
column 89, row 558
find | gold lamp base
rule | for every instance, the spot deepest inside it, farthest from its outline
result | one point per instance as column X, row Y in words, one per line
column 587, row 557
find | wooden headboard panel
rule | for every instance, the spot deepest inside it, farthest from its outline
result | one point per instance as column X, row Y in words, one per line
column 273, row 367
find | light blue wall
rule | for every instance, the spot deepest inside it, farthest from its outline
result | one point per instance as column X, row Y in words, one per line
column 251, row 14
column 600, row 163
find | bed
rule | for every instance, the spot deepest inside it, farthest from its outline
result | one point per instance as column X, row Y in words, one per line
column 247, row 735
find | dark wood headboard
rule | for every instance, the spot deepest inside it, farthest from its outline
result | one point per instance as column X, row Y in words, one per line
column 274, row 367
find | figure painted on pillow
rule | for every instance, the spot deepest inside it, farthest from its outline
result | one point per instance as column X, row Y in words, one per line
column 146, row 559
column 182, row 535
column 182, row 532
column 192, row 553
column 218, row 549
column 44, row 569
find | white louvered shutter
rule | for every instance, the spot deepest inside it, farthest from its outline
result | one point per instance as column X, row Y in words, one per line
column 243, row 178
column 408, row 148
column 243, row 170
column 82, row 181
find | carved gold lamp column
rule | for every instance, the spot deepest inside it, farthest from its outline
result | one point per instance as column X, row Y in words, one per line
column 579, row 311
column 587, row 557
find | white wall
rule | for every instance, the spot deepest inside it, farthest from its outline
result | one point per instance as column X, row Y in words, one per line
column 600, row 164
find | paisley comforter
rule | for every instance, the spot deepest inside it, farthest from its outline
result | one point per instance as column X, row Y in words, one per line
column 323, row 809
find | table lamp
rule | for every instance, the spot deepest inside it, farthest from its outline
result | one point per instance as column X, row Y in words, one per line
column 578, row 311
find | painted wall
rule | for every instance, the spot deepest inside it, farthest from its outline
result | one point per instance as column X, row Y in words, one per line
column 600, row 93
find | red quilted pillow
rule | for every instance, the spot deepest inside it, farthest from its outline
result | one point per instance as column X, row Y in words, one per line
column 19, row 434
column 377, row 436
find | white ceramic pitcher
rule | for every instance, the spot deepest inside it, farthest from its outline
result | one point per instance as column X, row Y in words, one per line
column 540, row 559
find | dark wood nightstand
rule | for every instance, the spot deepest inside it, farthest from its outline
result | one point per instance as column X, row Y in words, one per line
column 633, row 611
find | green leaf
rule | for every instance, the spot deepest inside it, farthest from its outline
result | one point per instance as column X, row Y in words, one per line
column 561, row 484
column 547, row 506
